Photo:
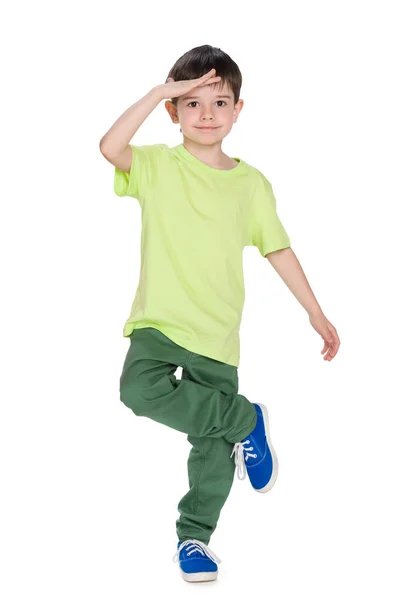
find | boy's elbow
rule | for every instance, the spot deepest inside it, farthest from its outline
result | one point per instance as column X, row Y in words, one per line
column 102, row 146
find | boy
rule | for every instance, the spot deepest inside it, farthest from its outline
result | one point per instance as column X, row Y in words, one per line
column 200, row 208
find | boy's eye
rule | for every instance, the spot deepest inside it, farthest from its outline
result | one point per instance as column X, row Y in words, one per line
column 195, row 102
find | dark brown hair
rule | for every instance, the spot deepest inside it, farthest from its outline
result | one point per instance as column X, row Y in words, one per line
column 200, row 60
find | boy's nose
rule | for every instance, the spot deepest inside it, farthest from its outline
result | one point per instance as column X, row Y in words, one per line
column 207, row 113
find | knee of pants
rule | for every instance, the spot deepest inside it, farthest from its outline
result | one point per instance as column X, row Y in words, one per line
column 131, row 395
column 139, row 393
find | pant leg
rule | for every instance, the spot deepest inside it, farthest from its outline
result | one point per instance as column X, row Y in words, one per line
column 149, row 388
column 210, row 466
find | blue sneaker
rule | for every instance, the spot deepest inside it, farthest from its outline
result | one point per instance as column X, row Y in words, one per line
column 262, row 463
column 196, row 561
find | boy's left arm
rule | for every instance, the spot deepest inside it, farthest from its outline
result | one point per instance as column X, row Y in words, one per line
column 289, row 269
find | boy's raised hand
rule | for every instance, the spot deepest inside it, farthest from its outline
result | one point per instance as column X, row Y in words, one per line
column 173, row 89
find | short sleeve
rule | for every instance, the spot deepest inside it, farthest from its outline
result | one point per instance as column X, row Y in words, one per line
column 265, row 230
column 143, row 171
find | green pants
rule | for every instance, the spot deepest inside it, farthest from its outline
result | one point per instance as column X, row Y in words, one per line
column 204, row 404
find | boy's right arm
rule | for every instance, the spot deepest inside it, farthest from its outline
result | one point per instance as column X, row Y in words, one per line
column 114, row 145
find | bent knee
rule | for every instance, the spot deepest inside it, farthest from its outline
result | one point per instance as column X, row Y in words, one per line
column 131, row 394
column 141, row 395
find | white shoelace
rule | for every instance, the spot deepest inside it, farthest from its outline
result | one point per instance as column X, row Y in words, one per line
column 196, row 546
column 240, row 458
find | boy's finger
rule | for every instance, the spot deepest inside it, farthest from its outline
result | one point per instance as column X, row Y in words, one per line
column 336, row 341
column 208, row 81
column 207, row 74
column 333, row 350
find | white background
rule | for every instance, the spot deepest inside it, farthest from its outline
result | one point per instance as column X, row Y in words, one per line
column 89, row 491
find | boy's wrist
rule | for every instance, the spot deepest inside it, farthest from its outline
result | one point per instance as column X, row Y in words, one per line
column 157, row 91
column 315, row 312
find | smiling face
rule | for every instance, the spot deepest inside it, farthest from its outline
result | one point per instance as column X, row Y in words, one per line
column 206, row 114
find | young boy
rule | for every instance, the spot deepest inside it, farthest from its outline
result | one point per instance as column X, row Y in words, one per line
column 200, row 208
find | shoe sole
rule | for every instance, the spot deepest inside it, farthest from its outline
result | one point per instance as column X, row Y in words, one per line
column 199, row 577
column 272, row 481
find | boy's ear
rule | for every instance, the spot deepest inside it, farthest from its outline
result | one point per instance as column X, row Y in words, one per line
column 237, row 109
column 171, row 109
column 239, row 105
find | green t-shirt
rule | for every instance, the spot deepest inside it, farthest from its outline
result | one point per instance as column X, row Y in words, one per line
column 196, row 220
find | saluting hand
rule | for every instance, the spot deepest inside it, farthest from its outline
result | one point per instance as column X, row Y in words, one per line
column 173, row 89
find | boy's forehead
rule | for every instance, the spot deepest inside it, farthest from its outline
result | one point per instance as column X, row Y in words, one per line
column 212, row 90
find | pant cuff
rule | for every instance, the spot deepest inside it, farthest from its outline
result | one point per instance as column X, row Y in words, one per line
column 246, row 431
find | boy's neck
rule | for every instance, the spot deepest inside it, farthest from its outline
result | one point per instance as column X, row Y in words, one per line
column 210, row 154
